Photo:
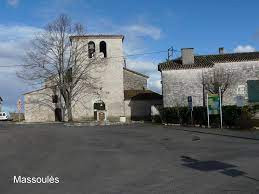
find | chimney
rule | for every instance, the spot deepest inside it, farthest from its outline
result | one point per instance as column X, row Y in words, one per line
column 187, row 56
column 221, row 50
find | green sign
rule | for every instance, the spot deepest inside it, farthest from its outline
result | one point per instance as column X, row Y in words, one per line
column 213, row 104
column 253, row 90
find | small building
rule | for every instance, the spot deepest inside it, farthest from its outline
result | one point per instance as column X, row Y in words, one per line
column 138, row 103
column 182, row 77
column 110, row 102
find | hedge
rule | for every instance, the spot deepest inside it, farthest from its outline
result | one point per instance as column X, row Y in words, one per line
column 233, row 116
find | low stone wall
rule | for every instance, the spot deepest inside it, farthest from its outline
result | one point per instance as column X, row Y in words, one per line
column 15, row 116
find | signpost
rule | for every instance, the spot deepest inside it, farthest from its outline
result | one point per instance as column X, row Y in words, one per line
column 190, row 106
column 220, row 107
column 214, row 105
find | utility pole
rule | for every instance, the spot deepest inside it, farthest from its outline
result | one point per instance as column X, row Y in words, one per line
column 125, row 63
column 170, row 53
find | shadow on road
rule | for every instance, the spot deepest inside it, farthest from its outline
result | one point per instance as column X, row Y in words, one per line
column 218, row 134
column 213, row 165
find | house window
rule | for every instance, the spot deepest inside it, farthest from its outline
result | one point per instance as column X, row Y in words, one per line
column 99, row 106
column 54, row 98
column 91, row 49
column 241, row 90
column 103, row 48
column 253, row 90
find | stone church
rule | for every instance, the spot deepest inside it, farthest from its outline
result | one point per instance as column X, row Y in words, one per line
column 182, row 77
column 122, row 92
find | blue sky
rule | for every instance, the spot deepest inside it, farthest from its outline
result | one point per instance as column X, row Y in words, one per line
column 148, row 25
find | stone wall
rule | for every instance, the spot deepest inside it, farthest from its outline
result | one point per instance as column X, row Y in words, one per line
column 242, row 72
column 108, row 76
column 38, row 106
column 110, row 83
column 179, row 84
column 133, row 81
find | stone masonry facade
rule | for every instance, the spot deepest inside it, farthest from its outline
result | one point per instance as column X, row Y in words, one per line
column 182, row 80
column 133, row 80
column 112, row 79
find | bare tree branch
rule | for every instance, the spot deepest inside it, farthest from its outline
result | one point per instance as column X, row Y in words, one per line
column 58, row 61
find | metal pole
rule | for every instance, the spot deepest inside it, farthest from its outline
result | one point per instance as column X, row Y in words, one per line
column 19, row 115
column 191, row 117
column 208, row 113
column 220, row 107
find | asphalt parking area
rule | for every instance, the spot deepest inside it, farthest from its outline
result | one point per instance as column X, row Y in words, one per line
column 139, row 158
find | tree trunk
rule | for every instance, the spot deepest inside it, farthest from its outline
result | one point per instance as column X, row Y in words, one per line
column 69, row 110
column 68, row 105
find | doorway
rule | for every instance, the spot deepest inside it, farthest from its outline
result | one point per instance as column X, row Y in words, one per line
column 58, row 115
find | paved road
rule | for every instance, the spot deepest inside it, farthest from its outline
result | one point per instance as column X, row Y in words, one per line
column 138, row 158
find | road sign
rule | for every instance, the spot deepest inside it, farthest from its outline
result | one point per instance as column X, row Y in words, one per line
column 213, row 104
column 190, row 106
column 190, row 102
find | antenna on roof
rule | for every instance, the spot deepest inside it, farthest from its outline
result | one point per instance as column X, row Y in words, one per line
column 170, row 53
column 125, row 63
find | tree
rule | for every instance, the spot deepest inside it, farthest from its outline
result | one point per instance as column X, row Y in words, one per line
column 215, row 78
column 59, row 59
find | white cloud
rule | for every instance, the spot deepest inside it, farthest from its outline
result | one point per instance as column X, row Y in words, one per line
column 14, row 40
column 244, row 48
column 135, row 34
column 134, row 43
column 144, row 30
column 13, row 3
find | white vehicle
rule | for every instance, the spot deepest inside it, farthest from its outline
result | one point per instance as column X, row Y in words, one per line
column 3, row 116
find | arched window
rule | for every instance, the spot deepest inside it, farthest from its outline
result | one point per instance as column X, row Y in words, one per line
column 99, row 105
column 103, row 48
column 91, row 49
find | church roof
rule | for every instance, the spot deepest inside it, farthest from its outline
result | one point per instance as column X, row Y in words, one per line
column 99, row 36
column 141, row 95
column 203, row 61
column 135, row 72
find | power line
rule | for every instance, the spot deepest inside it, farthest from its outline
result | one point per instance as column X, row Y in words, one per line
column 123, row 56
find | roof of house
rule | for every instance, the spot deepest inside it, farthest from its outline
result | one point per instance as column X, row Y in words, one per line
column 141, row 95
column 99, row 36
column 35, row 91
column 203, row 61
column 135, row 72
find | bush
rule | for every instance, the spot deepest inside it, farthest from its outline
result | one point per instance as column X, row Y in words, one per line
column 230, row 115
column 199, row 115
column 233, row 116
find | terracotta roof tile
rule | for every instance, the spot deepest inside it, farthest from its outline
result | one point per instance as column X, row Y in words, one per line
column 135, row 72
column 203, row 61
column 141, row 95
